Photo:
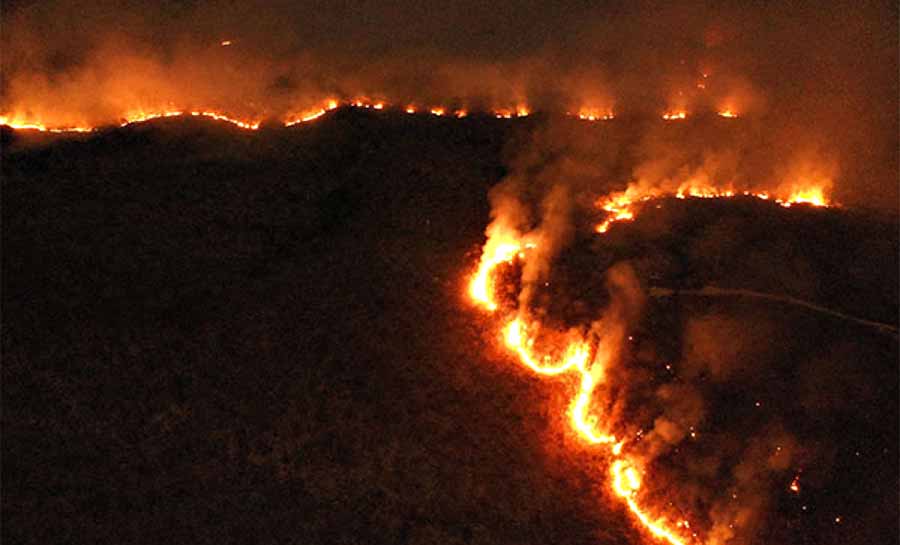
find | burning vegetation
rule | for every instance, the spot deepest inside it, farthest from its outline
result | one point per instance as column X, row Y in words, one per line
column 643, row 159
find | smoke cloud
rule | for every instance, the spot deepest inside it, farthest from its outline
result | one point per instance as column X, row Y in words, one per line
column 820, row 78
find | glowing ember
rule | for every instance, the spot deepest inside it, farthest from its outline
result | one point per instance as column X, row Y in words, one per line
column 795, row 485
column 674, row 116
column 225, row 43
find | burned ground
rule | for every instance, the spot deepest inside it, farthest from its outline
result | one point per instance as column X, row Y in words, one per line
column 214, row 336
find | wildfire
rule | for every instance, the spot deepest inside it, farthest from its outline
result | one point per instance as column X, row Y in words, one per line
column 504, row 245
column 24, row 124
column 622, row 206
column 595, row 114
column 812, row 195
column 253, row 125
column 509, row 113
column 310, row 115
column 559, row 354
column 626, row 482
column 587, row 113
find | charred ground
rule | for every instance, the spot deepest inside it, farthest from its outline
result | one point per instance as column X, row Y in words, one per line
column 213, row 336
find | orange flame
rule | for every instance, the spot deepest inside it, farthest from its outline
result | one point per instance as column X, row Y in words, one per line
column 520, row 336
column 795, row 484
column 595, row 114
column 622, row 206
column 503, row 246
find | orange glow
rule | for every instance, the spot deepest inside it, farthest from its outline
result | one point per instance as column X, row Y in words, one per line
column 585, row 113
column 225, row 43
column 811, row 195
column 501, row 248
column 25, row 124
column 551, row 353
column 626, row 482
column 622, row 206
column 310, row 115
column 573, row 356
column 595, row 114
column 795, row 485
column 253, row 125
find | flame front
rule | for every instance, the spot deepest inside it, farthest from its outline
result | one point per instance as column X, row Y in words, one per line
column 675, row 115
column 520, row 337
column 584, row 357
column 19, row 120
column 623, row 206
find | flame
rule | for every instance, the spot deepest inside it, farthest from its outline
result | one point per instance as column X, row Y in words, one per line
column 253, row 125
column 585, row 113
column 622, row 206
column 500, row 249
column 26, row 124
column 626, row 482
column 503, row 246
column 225, row 43
column 811, row 195
column 311, row 115
column 795, row 484
column 595, row 114
column 572, row 353
column 20, row 122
